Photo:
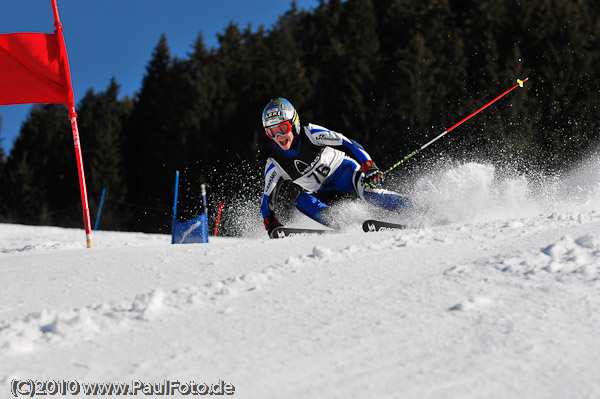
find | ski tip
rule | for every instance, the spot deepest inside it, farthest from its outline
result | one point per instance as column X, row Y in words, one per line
column 277, row 232
column 371, row 225
column 283, row 232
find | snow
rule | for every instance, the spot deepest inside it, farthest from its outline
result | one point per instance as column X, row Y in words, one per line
column 500, row 300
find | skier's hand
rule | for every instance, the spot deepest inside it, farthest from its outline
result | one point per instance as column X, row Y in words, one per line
column 271, row 222
column 373, row 176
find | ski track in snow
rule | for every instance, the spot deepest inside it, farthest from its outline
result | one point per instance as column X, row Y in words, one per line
column 568, row 257
column 467, row 309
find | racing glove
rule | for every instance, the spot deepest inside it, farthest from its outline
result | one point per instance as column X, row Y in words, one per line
column 271, row 222
column 373, row 176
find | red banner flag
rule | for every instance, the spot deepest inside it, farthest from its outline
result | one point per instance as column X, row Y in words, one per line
column 32, row 69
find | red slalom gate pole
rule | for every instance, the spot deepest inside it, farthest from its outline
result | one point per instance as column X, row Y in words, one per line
column 519, row 84
column 218, row 219
column 65, row 70
column 87, row 223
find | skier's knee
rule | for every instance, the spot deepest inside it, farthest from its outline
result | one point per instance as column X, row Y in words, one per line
column 304, row 202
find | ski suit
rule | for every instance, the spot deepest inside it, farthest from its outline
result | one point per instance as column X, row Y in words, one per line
column 318, row 163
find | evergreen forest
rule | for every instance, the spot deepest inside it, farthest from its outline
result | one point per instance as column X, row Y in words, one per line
column 390, row 74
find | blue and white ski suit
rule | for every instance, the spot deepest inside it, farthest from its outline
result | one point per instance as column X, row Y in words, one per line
column 317, row 163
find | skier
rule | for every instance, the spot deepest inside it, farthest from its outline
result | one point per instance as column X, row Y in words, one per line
column 313, row 157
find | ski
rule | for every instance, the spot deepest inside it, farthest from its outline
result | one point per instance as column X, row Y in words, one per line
column 377, row 225
column 283, row 232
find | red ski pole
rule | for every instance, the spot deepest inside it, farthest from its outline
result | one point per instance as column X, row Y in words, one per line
column 519, row 84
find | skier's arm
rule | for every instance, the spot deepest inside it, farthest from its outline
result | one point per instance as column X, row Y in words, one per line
column 325, row 137
column 269, row 201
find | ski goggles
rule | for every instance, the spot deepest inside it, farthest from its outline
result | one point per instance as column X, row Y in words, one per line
column 279, row 130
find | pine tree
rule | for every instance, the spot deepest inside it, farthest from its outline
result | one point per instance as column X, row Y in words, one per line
column 100, row 123
column 410, row 69
column 321, row 56
column 2, row 164
column 151, row 143
column 198, row 89
column 357, row 56
column 2, row 153
column 226, row 107
column 201, row 88
column 21, row 195
column 41, row 173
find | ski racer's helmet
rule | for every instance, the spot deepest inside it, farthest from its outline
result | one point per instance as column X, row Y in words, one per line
column 279, row 117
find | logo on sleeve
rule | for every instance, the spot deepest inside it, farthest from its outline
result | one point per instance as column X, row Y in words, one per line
column 269, row 182
column 326, row 137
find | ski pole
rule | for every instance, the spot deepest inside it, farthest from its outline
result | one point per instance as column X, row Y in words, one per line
column 519, row 84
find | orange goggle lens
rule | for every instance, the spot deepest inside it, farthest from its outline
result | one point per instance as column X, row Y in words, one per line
column 279, row 130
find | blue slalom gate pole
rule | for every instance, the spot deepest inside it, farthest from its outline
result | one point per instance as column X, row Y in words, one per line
column 175, row 206
column 99, row 209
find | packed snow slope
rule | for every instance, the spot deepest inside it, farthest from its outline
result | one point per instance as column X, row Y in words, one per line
column 494, row 293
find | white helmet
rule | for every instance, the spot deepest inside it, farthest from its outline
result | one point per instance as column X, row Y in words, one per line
column 275, row 115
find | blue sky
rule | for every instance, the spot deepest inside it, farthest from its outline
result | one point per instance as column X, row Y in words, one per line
column 115, row 38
